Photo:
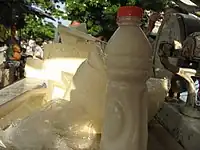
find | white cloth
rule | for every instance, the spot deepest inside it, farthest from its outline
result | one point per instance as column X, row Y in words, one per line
column 35, row 51
column 38, row 52
column 31, row 43
column 29, row 51
column 3, row 48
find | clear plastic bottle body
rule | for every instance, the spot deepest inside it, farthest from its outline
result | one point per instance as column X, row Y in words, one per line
column 128, row 50
column 128, row 64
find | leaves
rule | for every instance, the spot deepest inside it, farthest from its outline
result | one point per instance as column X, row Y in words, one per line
column 37, row 28
column 156, row 5
column 19, row 12
column 100, row 15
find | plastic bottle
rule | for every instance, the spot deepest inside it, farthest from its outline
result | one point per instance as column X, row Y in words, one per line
column 128, row 66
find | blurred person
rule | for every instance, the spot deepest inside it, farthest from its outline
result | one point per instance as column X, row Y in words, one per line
column 152, row 21
column 14, row 50
column 23, row 44
column 34, row 49
column 16, row 56
column 50, row 42
column 38, row 51
column 45, row 42
column 30, row 46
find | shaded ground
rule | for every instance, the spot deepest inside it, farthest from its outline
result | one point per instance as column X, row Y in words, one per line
column 160, row 139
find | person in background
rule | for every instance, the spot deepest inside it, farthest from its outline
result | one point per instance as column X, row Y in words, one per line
column 14, row 50
column 13, row 55
column 152, row 21
column 16, row 56
column 45, row 42
column 50, row 42
column 34, row 49
column 23, row 44
column 29, row 48
column 38, row 51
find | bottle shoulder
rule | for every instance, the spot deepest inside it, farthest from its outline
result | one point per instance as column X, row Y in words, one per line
column 130, row 39
column 128, row 34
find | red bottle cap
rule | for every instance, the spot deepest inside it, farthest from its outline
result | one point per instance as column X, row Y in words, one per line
column 130, row 11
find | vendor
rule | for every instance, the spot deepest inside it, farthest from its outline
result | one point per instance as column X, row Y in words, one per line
column 16, row 55
column 14, row 50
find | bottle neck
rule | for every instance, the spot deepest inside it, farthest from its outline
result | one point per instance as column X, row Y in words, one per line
column 128, row 20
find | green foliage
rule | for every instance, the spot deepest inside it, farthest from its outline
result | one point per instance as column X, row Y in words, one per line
column 155, row 5
column 31, row 25
column 49, row 6
column 100, row 15
column 37, row 28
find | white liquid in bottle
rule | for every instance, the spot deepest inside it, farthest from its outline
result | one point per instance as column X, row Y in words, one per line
column 128, row 66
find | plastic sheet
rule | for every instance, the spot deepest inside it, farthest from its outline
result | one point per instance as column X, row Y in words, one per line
column 16, row 89
column 59, row 126
column 67, row 125
column 67, row 34
column 88, row 88
column 22, row 106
